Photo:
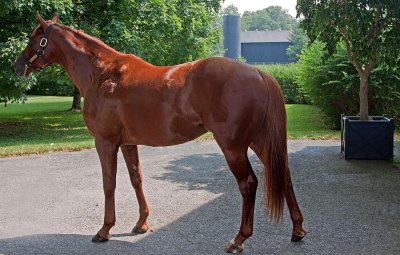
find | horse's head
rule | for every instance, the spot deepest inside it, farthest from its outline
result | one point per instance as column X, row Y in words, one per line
column 36, row 54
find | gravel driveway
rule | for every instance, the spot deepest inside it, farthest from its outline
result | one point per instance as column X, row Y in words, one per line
column 53, row 204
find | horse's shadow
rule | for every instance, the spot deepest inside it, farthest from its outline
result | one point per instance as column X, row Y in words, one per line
column 207, row 171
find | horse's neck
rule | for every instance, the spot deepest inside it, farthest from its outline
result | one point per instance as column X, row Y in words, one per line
column 80, row 60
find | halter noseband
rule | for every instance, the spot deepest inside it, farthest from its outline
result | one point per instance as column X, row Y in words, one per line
column 39, row 52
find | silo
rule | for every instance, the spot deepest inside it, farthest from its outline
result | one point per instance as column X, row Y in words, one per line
column 232, row 36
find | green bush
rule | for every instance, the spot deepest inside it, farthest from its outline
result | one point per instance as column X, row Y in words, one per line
column 52, row 81
column 333, row 84
column 285, row 75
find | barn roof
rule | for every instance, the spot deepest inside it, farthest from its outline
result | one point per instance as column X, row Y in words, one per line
column 265, row 36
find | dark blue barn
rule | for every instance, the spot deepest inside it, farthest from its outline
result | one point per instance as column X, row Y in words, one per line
column 257, row 47
column 265, row 47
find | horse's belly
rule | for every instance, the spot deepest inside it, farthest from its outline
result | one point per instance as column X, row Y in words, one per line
column 163, row 133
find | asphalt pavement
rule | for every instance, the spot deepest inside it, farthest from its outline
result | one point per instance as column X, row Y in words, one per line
column 53, row 203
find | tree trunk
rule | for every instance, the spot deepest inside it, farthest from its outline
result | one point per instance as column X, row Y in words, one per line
column 76, row 102
column 364, row 115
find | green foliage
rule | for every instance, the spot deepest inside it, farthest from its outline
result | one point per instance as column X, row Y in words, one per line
column 285, row 75
column 161, row 32
column 369, row 29
column 53, row 81
column 270, row 18
column 241, row 59
column 230, row 10
column 298, row 40
column 385, row 91
column 333, row 84
column 12, row 87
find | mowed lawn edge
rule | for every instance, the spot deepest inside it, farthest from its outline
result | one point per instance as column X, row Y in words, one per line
column 43, row 124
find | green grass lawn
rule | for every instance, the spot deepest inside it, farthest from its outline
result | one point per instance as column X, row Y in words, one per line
column 307, row 122
column 42, row 125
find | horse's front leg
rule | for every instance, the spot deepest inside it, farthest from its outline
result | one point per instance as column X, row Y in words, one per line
column 108, row 157
column 131, row 156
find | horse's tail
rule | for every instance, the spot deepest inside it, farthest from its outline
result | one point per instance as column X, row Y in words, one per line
column 274, row 149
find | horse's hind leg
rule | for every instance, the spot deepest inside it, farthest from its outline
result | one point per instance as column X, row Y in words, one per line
column 131, row 156
column 295, row 214
column 239, row 164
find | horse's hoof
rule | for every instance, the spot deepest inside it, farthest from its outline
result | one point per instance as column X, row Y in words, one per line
column 99, row 239
column 296, row 238
column 139, row 230
column 233, row 248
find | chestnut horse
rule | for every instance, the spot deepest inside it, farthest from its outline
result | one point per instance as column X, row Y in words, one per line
column 129, row 102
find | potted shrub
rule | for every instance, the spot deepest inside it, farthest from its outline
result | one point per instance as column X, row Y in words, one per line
column 370, row 32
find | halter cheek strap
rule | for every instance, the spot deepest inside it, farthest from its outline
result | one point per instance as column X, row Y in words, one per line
column 39, row 52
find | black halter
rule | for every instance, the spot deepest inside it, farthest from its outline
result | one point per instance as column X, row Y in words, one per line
column 39, row 52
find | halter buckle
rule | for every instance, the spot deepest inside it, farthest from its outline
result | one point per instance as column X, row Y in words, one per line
column 40, row 53
column 43, row 42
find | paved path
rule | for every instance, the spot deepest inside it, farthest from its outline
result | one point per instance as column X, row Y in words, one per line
column 53, row 204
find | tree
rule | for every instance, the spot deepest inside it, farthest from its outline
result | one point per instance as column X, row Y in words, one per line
column 230, row 10
column 270, row 18
column 369, row 29
column 298, row 40
column 333, row 83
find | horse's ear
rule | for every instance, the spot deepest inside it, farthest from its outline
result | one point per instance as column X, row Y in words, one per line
column 55, row 18
column 41, row 21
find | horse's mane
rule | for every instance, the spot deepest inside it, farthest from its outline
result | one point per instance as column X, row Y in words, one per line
column 91, row 40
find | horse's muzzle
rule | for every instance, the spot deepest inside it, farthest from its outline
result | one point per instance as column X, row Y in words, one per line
column 21, row 68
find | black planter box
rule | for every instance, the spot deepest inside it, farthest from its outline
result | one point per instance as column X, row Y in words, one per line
column 367, row 139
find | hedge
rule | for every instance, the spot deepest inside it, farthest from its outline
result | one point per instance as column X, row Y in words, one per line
column 286, row 76
column 333, row 84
